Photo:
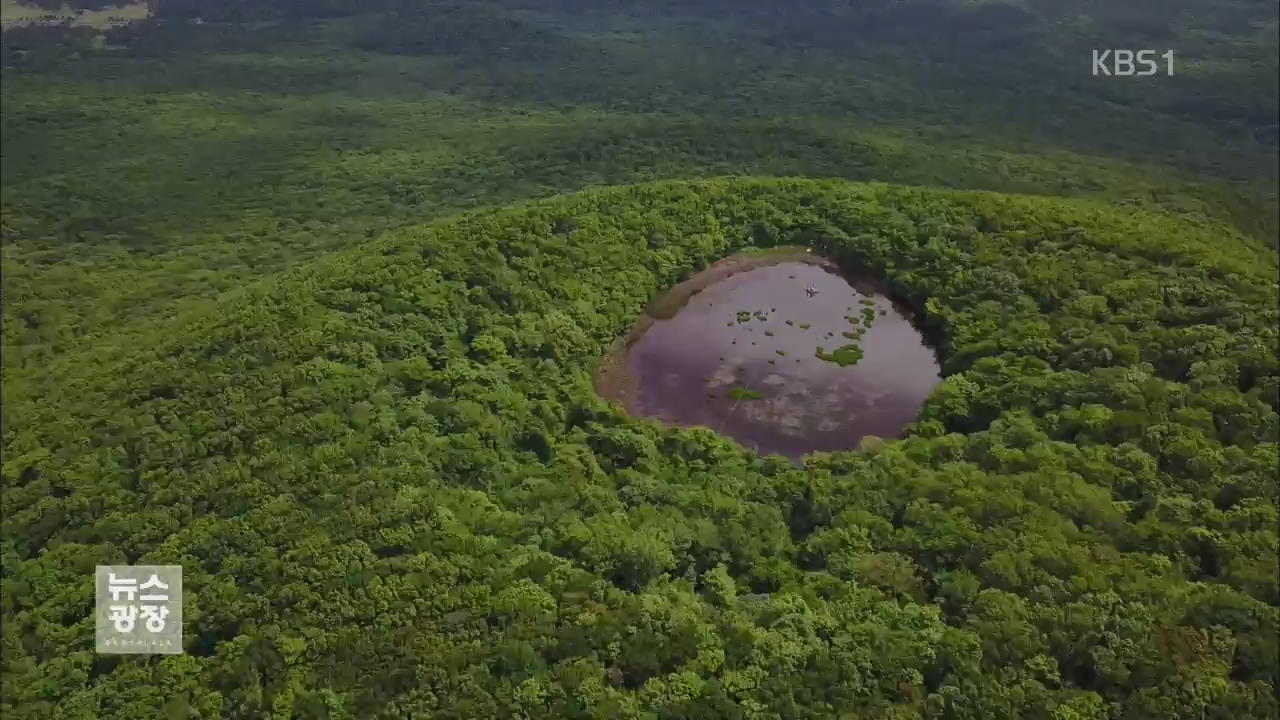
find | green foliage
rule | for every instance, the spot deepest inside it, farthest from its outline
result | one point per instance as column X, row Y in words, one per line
column 387, row 471
column 182, row 161
column 843, row 356
column 247, row 330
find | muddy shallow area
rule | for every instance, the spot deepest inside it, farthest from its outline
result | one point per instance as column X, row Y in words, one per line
column 784, row 354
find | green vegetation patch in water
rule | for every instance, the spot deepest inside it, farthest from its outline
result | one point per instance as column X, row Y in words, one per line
column 844, row 356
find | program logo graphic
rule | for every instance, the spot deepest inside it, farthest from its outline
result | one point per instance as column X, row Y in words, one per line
column 139, row 609
column 1130, row 63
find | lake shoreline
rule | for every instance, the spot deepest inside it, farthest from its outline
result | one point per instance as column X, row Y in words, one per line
column 799, row 407
column 612, row 379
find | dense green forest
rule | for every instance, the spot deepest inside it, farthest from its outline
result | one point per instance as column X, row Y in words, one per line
column 306, row 297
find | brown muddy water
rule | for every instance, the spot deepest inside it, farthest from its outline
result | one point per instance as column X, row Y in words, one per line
column 735, row 349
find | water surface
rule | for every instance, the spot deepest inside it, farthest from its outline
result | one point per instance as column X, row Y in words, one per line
column 739, row 357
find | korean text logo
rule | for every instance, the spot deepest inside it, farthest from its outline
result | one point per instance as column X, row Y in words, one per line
column 139, row 609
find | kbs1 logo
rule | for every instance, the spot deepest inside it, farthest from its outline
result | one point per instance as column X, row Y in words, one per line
column 1131, row 63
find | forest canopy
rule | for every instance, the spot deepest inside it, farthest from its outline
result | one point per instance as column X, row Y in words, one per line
column 394, row 491
column 306, row 297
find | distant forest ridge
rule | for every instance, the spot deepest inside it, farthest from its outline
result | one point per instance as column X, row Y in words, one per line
column 77, row 13
column 1140, row 18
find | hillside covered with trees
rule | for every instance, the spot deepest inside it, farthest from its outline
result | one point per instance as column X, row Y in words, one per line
column 307, row 298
